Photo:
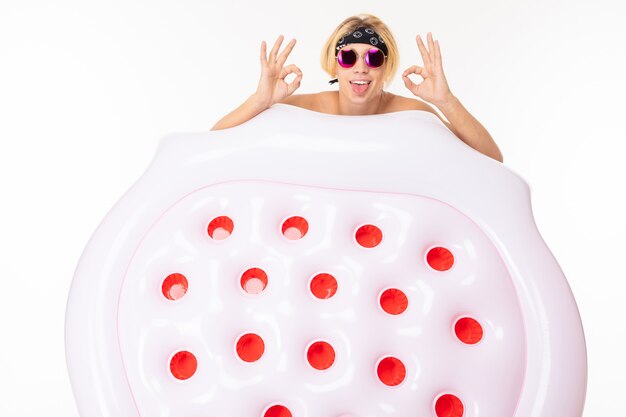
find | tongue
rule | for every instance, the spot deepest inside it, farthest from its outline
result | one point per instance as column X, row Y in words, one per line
column 358, row 88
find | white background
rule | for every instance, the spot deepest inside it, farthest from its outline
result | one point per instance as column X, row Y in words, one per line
column 87, row 89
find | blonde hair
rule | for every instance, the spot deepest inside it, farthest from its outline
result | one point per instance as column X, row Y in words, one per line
column 328, row 59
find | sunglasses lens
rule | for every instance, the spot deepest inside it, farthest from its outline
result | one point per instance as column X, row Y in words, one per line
column 375, row 58
column 347, row 58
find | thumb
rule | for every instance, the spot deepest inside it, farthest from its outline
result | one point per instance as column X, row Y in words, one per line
column 408, row 82
column 292, row 86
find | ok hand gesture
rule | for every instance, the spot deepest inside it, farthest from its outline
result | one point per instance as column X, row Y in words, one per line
column 434, row 87
column 272, row 86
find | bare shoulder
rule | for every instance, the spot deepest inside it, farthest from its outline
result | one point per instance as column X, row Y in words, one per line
column 323, row 102
column 401, row 103
column 306, row 101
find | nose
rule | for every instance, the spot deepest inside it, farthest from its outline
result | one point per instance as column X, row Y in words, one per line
column 360, row 66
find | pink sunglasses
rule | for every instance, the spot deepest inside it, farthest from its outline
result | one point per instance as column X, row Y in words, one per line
column 374, row 58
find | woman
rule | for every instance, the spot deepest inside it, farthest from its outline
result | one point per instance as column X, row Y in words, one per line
column 362, row 55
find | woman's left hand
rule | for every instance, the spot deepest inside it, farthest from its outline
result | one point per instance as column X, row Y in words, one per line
column 434, row 87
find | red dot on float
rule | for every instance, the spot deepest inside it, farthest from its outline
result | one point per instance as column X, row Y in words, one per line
column 295, row 228
column 277, row 411
column 394, row 301
column 220, row 227
column 250, row 347
column 369, row 236
column 449, row 405
column 321, row 355
column 323, row 286
column 440, row 259
column 254, row 280
column 183, row 365
column 391, row 371
column 468, row 330
column 174, row 286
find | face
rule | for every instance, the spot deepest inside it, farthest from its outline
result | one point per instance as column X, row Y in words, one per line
column 360, row 71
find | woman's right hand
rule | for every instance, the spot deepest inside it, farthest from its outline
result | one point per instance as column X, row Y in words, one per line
column 272, row 86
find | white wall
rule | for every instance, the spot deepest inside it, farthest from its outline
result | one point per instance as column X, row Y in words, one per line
column 88, row 88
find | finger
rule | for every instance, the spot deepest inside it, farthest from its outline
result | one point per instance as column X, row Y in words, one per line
column 263, row 54
column 438, row 63
column 423, row 51
column 289, row 69
column 414, row 69
column 431, row 47
column 276, row 48
column 285, row 53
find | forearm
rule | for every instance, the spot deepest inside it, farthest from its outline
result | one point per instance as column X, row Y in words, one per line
column 250, row 108
column 468, row 129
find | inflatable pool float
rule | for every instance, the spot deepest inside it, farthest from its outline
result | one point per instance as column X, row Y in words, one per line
column 313, row 265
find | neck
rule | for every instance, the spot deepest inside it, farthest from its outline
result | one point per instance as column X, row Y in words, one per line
column 373, row 106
